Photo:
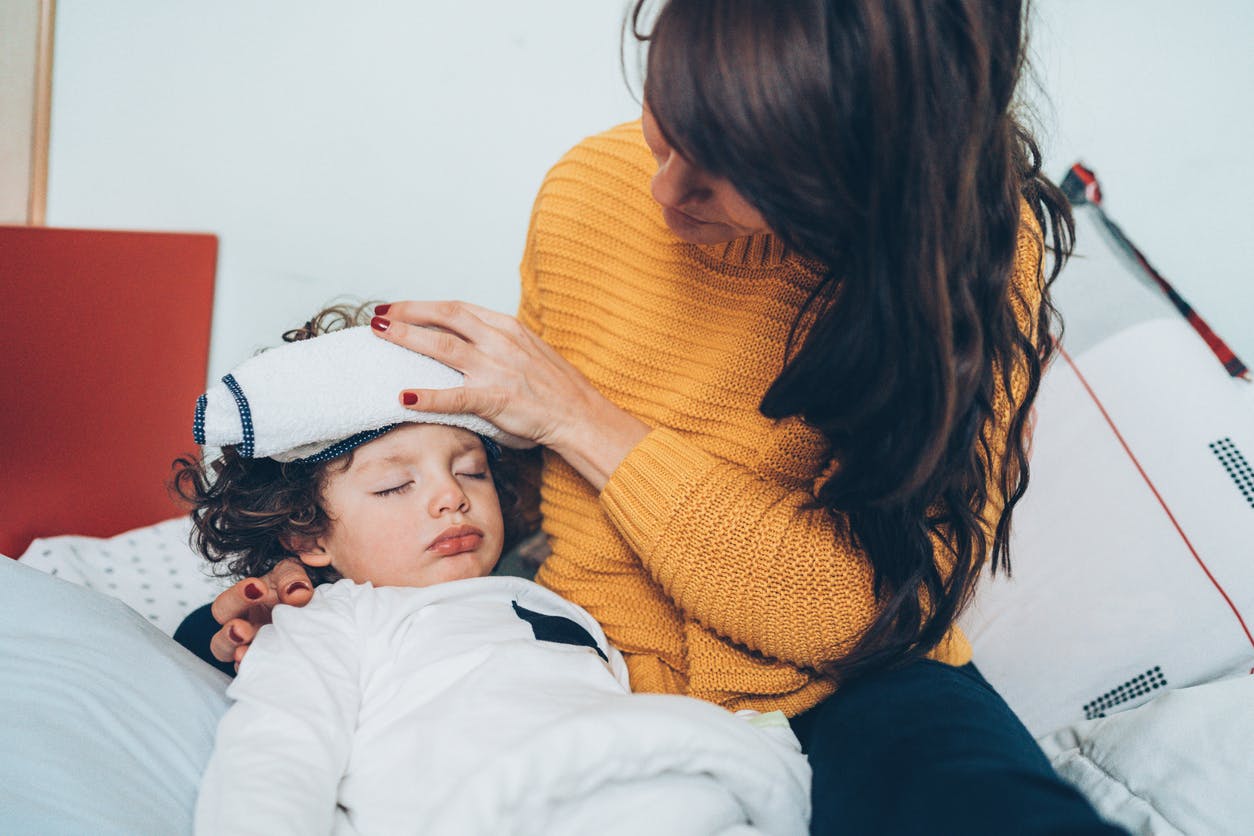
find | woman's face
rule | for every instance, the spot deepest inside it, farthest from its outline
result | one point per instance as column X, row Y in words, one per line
column 697, row 206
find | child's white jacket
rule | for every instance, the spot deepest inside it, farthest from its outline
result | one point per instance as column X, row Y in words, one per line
column 438, row 710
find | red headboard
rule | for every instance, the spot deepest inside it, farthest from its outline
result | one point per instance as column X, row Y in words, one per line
column 104, row 342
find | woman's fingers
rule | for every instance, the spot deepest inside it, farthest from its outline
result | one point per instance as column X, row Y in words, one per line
column 246, row 606
column 234, row 635
column 451, row 349
column 291, row 583
column 485, row 404
column 241, row 598
column 462, row 318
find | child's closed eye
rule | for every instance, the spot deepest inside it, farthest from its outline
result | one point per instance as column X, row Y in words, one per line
column 401, row 488
column 483, row 474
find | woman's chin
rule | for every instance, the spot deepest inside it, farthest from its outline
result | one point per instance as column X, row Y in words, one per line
column 694, row 232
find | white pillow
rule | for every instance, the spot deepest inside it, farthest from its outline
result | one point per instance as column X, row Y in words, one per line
column 153, row 569
column 1132, row 570
column 1179, row 765
column 105, row 723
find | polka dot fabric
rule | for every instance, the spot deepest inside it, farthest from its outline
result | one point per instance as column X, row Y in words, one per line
column 152, row 569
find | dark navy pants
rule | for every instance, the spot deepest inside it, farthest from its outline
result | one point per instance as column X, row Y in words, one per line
column 933, row 749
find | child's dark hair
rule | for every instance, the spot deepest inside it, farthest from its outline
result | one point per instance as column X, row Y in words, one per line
column 250, row 514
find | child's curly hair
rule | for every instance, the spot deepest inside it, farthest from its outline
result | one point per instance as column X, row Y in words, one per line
column 250, row 514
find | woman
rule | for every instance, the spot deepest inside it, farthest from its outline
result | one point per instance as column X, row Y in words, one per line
column 780, row 342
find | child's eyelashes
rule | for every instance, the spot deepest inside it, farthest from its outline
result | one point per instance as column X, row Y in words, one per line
column 405, row 486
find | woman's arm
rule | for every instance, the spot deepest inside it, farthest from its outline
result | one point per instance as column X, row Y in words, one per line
column 283, row 746
column 740, row 554
column 759, row 563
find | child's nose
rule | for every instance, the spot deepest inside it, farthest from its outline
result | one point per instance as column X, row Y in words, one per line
column 447, row 498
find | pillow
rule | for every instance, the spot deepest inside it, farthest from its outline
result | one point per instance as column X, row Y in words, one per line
column 105, row 723
column 1178, row 765
column 1130, row 551
column 153, row 569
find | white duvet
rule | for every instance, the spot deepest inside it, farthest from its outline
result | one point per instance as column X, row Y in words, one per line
column 438, row 710
column 1183, row 764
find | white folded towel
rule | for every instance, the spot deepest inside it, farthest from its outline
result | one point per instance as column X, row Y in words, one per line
column 318, row 398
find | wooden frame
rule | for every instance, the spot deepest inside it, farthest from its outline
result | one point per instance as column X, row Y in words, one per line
column 25, row 108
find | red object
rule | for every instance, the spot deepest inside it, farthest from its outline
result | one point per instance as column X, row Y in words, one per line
column 104, row 345
column 1081, row 187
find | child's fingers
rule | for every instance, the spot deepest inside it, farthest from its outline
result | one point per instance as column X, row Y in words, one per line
column 291, row 583
column 235, row 634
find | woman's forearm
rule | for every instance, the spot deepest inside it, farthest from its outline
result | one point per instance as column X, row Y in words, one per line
column 596, row 445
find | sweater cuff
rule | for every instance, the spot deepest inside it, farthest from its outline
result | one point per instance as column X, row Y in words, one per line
column 651, row 483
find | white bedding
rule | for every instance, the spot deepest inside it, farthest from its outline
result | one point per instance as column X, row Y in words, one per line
column 152, row 569
column 371, row 709
column 1183, row 764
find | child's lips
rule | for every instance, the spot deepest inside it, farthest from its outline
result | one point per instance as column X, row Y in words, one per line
column 456, row 540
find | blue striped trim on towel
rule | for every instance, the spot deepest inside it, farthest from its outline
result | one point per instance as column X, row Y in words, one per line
column 198, row 422
column 339, row 448
column 247, row 446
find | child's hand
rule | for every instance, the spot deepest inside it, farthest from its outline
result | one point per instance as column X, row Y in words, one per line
column 245, row 607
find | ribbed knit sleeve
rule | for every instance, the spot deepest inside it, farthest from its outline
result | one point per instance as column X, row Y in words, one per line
column 740, row 554
column 753, row 560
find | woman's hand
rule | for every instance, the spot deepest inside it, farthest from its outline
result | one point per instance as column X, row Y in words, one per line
column 244, row 608
column 514, row 380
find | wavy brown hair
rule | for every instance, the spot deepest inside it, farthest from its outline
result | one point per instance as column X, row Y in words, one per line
column 247, row 514
column 880, row 138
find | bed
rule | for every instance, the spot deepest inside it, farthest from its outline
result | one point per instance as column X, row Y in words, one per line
column 1123, row 640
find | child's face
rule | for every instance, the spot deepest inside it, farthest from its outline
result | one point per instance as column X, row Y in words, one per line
column 416, row 507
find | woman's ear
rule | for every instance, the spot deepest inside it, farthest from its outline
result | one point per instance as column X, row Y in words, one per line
column 310, row 550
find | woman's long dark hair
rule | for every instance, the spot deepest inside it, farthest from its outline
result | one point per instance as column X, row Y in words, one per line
column 879, row 138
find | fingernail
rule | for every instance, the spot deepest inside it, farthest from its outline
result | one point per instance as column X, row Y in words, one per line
column 235, row 636
column 380, row 310
column 252, row 592
column 379, row 323
column 409, row 399
column 296, row 586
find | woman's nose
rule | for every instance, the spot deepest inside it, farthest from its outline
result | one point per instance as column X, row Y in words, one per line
column 678, row 182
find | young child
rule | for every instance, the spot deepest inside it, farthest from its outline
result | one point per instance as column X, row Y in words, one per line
column 414, row 693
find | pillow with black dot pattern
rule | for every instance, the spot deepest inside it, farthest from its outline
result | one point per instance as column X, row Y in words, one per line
column 1131, row 549
column 152, row 569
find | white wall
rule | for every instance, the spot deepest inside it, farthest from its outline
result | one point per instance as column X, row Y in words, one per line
column 1157, row 96
column 388, row 149
column 391, row 149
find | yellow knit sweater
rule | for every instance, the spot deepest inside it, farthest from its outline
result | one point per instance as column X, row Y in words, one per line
column 700, row 557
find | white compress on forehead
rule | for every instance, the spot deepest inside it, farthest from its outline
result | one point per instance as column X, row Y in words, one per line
column 322, row 397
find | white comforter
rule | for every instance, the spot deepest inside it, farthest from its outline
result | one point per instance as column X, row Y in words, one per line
column 438, row 711
column 1183, row 764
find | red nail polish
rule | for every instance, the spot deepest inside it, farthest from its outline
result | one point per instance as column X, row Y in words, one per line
column 409, row 399
column 380, row 310
column 252, row 592
column 379, row 323
column 296, row 586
